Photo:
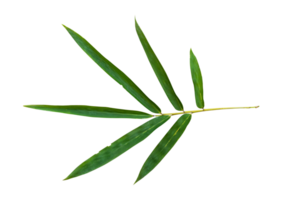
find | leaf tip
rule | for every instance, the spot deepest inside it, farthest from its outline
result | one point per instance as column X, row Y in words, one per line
column 63, row 25
column 24, row 105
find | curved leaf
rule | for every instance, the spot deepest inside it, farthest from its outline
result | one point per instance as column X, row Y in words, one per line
column 165, row 145
column 159, row 71
column 114, row 72
column 118, row 147
column 92, row 111
column 197, row 80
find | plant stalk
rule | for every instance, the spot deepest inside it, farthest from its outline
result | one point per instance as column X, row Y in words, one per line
column 208, row 109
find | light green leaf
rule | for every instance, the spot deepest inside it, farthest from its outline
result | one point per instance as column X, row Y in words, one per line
column 158, row 69
column 197, row 80
column 114, row 72
column 92, row 111
column 118, row 147
column 165, row 145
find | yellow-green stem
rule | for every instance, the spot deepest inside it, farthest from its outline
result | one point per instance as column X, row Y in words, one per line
column 203, row 110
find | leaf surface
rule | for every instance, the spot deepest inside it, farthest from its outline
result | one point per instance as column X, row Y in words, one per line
column 159, row 70
column 118, row 147
column 92, row 111
column 165, row 145
column 114, row 72
column 197, row 80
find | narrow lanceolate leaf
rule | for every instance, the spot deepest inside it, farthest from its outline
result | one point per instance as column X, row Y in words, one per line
column 118, row 147
column 92, row 111
column 114, row 72
column 164, row 145
column 197, row 80
column 159, row 71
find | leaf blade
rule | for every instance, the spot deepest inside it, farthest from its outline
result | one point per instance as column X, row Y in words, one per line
column 114, row 72
column 197, row 80
column 92, row 111
column 118, row 147
column 159, row 70
column 165, row 145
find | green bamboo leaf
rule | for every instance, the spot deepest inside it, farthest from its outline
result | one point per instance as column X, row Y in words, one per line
column 118, row 147
column 197, row 80
column 159, row 70
column 92, row 111
column 165, row 145
column 114, row 72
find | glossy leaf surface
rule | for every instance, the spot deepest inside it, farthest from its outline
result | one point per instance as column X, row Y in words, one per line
column 165, row 145
column 114, row 72
column 92, row 111
column 159, row 70
column 197, row 80
column 118, row 147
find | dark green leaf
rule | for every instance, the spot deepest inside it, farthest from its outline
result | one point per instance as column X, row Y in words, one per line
column 158, row 69
column 164, row 146
column 114, row 72
column 91, row 111
column 197, row 79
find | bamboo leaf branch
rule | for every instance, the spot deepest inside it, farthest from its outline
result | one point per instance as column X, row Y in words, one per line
column 140, row 133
